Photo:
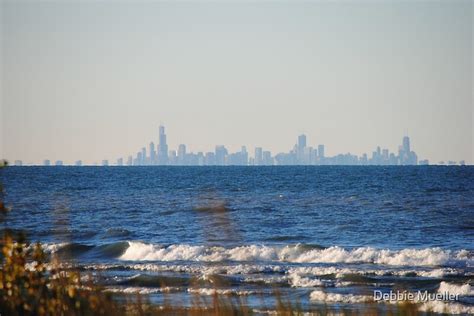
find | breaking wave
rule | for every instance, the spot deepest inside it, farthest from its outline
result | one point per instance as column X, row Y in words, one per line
column 139, row 251
column 321, row 296
column 299, row 253
column 456, row 289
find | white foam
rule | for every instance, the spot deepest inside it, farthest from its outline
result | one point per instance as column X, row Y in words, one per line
column 446, row 308
column 343, row 284
column 297, row 280
column 138, row 251
column 340, row 272
column 147, row 252
column 437, row 273
column 410, row 257
column 50, row 247
column 322, row 296
column 456, row 289
column 211, row 291
column 319, row 271
column 266, row 279
column 141, row 290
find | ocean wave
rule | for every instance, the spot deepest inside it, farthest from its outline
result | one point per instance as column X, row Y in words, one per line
column 142, row 290
column 442, row 307
column 321, row 296
column 139, row 251
column 52, row 247
column 456, row 289
column 296, row 280
column 434, row 306
column 112, row 250
column 212, row 291
column 147, row 280
column 341, row 272
column 299, row 253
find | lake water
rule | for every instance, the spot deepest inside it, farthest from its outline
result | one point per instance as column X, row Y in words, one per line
column 317, row 234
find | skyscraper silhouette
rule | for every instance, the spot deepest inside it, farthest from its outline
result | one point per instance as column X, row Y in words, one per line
column 162, row 147
column 152, row 154
column 258, row 156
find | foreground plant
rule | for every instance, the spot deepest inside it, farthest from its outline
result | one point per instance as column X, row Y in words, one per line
column 28, row 288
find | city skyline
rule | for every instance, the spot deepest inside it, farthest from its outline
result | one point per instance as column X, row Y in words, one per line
column 350, row 75
column 301, row 154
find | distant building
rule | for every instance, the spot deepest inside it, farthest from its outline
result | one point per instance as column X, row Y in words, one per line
column 78, row 163
column 172, row 158
column 18, row 163
column 307, row 156
column 406, row 156
column 393, row 160
column 59, row 163
column 162, row 147
column 406, row 144
column 200, row 158
column 313, row 156
column 321, row 151
column 385, row 156
column 302, row 141
column 210, row 159
column 267, row 158
column 152, row 154
column 300, row 154
column 120, row 161
column 144, row 159
column 105, row 162
column 46, row 162
column 244, row 156
column 258, row 158
column 221, row 155
column 300, row 150
column 424, row 162
column 138, row 160
column 182, row 154
column 285, row 159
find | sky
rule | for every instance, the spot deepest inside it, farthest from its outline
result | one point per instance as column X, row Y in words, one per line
column 93, row 80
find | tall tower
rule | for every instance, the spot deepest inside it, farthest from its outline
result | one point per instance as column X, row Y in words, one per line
column 221, row 155
column 301, row 141
column 152, row 154
column 144, row 158
column 258, row 156
column 181, row 154
column 404, row 151
column 162, row 147
column 321, row 151
column 244, row 156
column 300, row 149
column 406, row 144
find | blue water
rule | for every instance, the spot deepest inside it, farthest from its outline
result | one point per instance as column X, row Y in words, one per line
column 280, row 221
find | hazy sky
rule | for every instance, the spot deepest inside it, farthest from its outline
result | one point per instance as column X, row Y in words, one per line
column 92, row 80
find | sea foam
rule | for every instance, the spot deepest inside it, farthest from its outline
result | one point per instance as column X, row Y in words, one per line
column 442, row 307
column 456, row 289
column 139, row 251
column 322, row 296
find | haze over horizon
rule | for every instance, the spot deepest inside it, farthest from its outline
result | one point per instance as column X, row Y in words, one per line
column 93, row 80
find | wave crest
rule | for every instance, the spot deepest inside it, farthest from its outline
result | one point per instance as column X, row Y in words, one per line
column 138, row 251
